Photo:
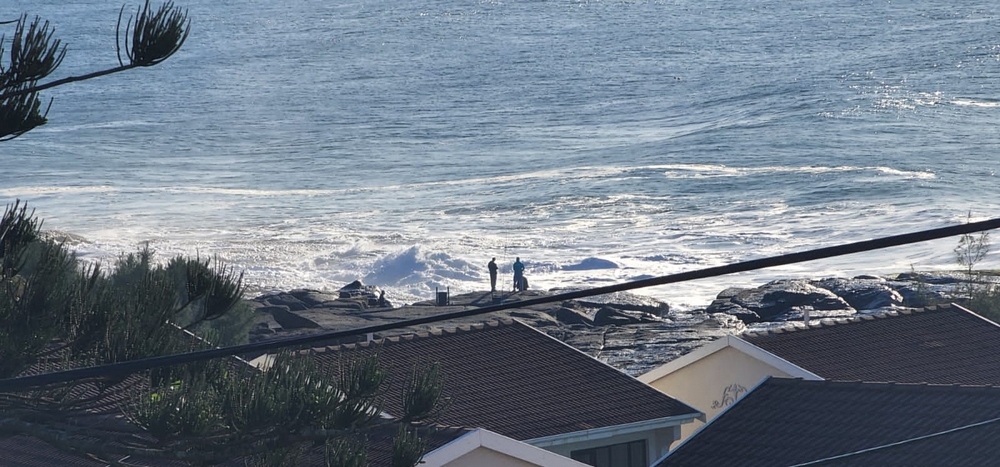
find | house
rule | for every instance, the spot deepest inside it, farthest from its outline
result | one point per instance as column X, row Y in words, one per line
column 942, row 345
column 796, row 422
column 511, row 379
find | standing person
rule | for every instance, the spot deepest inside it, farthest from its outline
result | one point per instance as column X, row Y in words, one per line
column 518, row 274
column 493, row 274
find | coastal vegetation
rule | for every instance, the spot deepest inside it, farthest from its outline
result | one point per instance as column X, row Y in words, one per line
column 62, row 313
column 978, row 288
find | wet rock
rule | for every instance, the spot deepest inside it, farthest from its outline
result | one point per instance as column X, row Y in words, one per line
column 262, row 329
column 628, row 301
column 613, row 316
column 283, row 299
column 929, row 277
column 312, row 298
column 357, row 289
column 862, row 293
column 572, row 316
column 289, row 320
column 919, row 294
column 727, row 307
column 778, row 298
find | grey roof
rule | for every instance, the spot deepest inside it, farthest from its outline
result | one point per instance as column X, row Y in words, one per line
column 791, row 421
column 944, row 344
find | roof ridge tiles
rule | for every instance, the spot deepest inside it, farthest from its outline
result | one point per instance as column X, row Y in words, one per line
column 792, row 326
column 417, row 335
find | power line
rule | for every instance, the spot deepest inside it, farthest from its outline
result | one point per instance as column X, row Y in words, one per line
column 124, row 368
column 862, row 452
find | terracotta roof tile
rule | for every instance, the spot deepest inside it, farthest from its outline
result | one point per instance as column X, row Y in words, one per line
column 791, row 421
column 942, row 345
column 516, row 381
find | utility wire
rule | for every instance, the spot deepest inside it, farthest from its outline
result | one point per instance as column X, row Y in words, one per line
column 125, row 368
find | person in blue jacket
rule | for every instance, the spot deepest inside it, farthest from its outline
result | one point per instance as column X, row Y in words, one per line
column 518, row 275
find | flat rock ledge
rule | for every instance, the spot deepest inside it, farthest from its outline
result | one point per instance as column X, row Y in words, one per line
column 630, row 332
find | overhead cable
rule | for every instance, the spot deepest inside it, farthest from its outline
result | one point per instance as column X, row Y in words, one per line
column 128, row 367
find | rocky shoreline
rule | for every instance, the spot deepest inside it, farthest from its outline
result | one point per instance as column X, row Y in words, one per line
column 630, row 332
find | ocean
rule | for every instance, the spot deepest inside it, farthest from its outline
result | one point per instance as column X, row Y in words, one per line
column 405, row 143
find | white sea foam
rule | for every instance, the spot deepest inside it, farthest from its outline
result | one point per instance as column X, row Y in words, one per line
column 30, row 191
column 975, row 103
column 526, row 129
column 701, row 170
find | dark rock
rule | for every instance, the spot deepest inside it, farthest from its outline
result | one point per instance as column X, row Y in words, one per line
column 929, row 278
column 869, row 276
column 571, row 316
column 346, row 304
column 729, row 293
column 862, row 294
column 919, row 294
column 723, row 305
column 780, row 297
column 312, row 298
column 356, row 285
column 608, row 315
column 261, row 329
column 626, row 301
column 289, row 320
column 357, row 289
column 726, row 307
column 270, row 309
column 284, row 299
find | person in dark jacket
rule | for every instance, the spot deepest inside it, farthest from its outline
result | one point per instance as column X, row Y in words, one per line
column 493, row 274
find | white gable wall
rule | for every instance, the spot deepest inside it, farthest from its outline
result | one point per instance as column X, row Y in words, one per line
column 483, row 457
column 484, row 448
column 715, row 376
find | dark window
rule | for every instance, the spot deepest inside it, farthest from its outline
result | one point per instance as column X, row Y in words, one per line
column 631, row 454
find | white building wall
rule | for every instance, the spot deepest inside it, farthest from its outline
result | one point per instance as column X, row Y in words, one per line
column 714, row 383
column 483, row 457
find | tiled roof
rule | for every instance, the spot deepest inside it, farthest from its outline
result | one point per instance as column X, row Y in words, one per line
column 941, row 345
column 791, row 421
column 514, row 380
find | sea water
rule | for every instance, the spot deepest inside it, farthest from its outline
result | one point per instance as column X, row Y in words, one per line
column 405, row 143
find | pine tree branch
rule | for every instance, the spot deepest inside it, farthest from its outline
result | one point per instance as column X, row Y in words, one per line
column 67, row 80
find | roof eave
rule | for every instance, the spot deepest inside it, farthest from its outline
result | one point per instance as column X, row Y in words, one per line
column 616, row 430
